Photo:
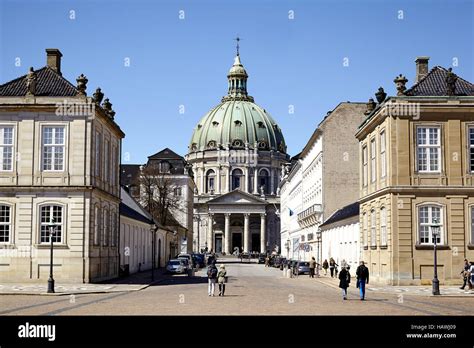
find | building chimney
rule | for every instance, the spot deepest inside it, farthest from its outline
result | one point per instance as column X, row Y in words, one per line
column 421, row 67
column 53, row 59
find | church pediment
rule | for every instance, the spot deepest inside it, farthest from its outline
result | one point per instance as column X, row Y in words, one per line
column 237, row 197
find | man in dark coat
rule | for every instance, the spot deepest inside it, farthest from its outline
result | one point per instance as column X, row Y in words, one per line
column 312, row 267
column 344, row 280
column 362, row 274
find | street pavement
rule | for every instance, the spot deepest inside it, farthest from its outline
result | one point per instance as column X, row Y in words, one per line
column 252, row 290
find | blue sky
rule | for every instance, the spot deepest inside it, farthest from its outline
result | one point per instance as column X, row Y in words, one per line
column 290, row 61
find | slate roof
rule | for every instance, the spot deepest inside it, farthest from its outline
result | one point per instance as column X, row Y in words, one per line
column 49, row 84
column 129, row 174
column 343, row 213
column 166, row 153
column 131, row 209
column 434, row 84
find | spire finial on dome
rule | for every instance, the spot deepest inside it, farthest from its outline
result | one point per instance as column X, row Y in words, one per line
column 238, row 40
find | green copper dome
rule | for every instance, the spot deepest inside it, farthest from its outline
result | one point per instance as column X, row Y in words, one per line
column 237, row 122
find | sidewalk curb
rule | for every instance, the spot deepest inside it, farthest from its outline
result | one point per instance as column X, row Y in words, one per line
column 66, row 293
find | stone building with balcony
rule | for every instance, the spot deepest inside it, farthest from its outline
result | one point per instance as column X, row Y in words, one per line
column 327, row 180
column 416, row 172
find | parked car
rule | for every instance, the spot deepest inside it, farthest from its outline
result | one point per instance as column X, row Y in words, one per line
column 176, row 266
column 187, row 257
column 303, row 267
column 261, row 258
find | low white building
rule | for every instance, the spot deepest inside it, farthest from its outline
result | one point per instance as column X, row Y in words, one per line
column 340, row 236
column 136, row 243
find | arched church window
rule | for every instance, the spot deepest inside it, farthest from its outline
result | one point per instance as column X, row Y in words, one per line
column 210, row 181
column 237, row 179
column 262, row 144
column 237, row 143
column 264, row 181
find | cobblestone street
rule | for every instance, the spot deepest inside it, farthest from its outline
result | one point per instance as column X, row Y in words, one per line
column 252, row 290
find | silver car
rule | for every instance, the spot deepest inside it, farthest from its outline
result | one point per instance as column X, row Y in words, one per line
column 177, row 266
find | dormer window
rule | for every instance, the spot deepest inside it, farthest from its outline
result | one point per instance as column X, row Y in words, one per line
column 238, row 123
column 199, row 126
column 211, row 144
column 237, row 143
column 193, row 146
column 260, row 124
column 215, row 123
column 262, row 144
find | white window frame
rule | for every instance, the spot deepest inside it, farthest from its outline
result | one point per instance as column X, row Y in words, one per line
column 383, row 154
column 471, row 238
column 373, row 228
column 61, row 224
column 7, row 224
column 383, row 226
column 107, row 160
column 365, row 223
column 54, row 146
column 430, row 149
column 365, row 169
column 430, row 207
column 470, row 145
column 5, row 146
column 113, row 241
column 98, row 153
column 97, row 220
column 106, row 227
column 373, row 161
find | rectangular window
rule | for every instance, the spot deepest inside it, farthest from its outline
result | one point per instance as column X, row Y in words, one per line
column 5, row 223
column 472, row 225
column 106, row 228
column 98, row 152
column 383, row 226
column 53, row 148
column 365, row 231
column 383, row 155
column 51, row 216
column 428, row 141
column 373, row 229
column 96, row 226
column 6, row 148
column 364, row 165
column 471, row 149
column 113, row 242
column 177, row 190
column 106, row 161
column 427, row 217
column 373, row 155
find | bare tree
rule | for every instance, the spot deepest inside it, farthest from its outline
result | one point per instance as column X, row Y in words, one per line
column 158, row 195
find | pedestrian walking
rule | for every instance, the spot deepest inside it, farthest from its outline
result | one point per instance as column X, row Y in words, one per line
column 267, row 261
column 362, row 274
column 312, row 267
column 221, row 279
column 344, row 281
column 471, row 270
column 332, row 265
column 465, row 274
column 325, row 267
column 211, row 278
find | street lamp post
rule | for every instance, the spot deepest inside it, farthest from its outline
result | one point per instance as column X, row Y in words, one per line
column 318, row 237
column 435, row 231
column 197, row 218
column 51, row 279
column 153, row 230
column 287, row 244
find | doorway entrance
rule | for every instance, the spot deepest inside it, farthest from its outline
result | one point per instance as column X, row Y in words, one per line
column 255, row 242
column 218, row 243
column 237, row 241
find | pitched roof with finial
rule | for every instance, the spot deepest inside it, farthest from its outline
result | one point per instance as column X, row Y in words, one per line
column 49, row 84
column 434, row 84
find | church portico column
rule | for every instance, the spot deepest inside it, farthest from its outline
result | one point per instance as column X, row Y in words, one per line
column 227, row 179
column 246, row 183
column 263, row 237
column 246, row 233
column 202, row 181
column 210, row 232
column 227, row 234
column 218, row 180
